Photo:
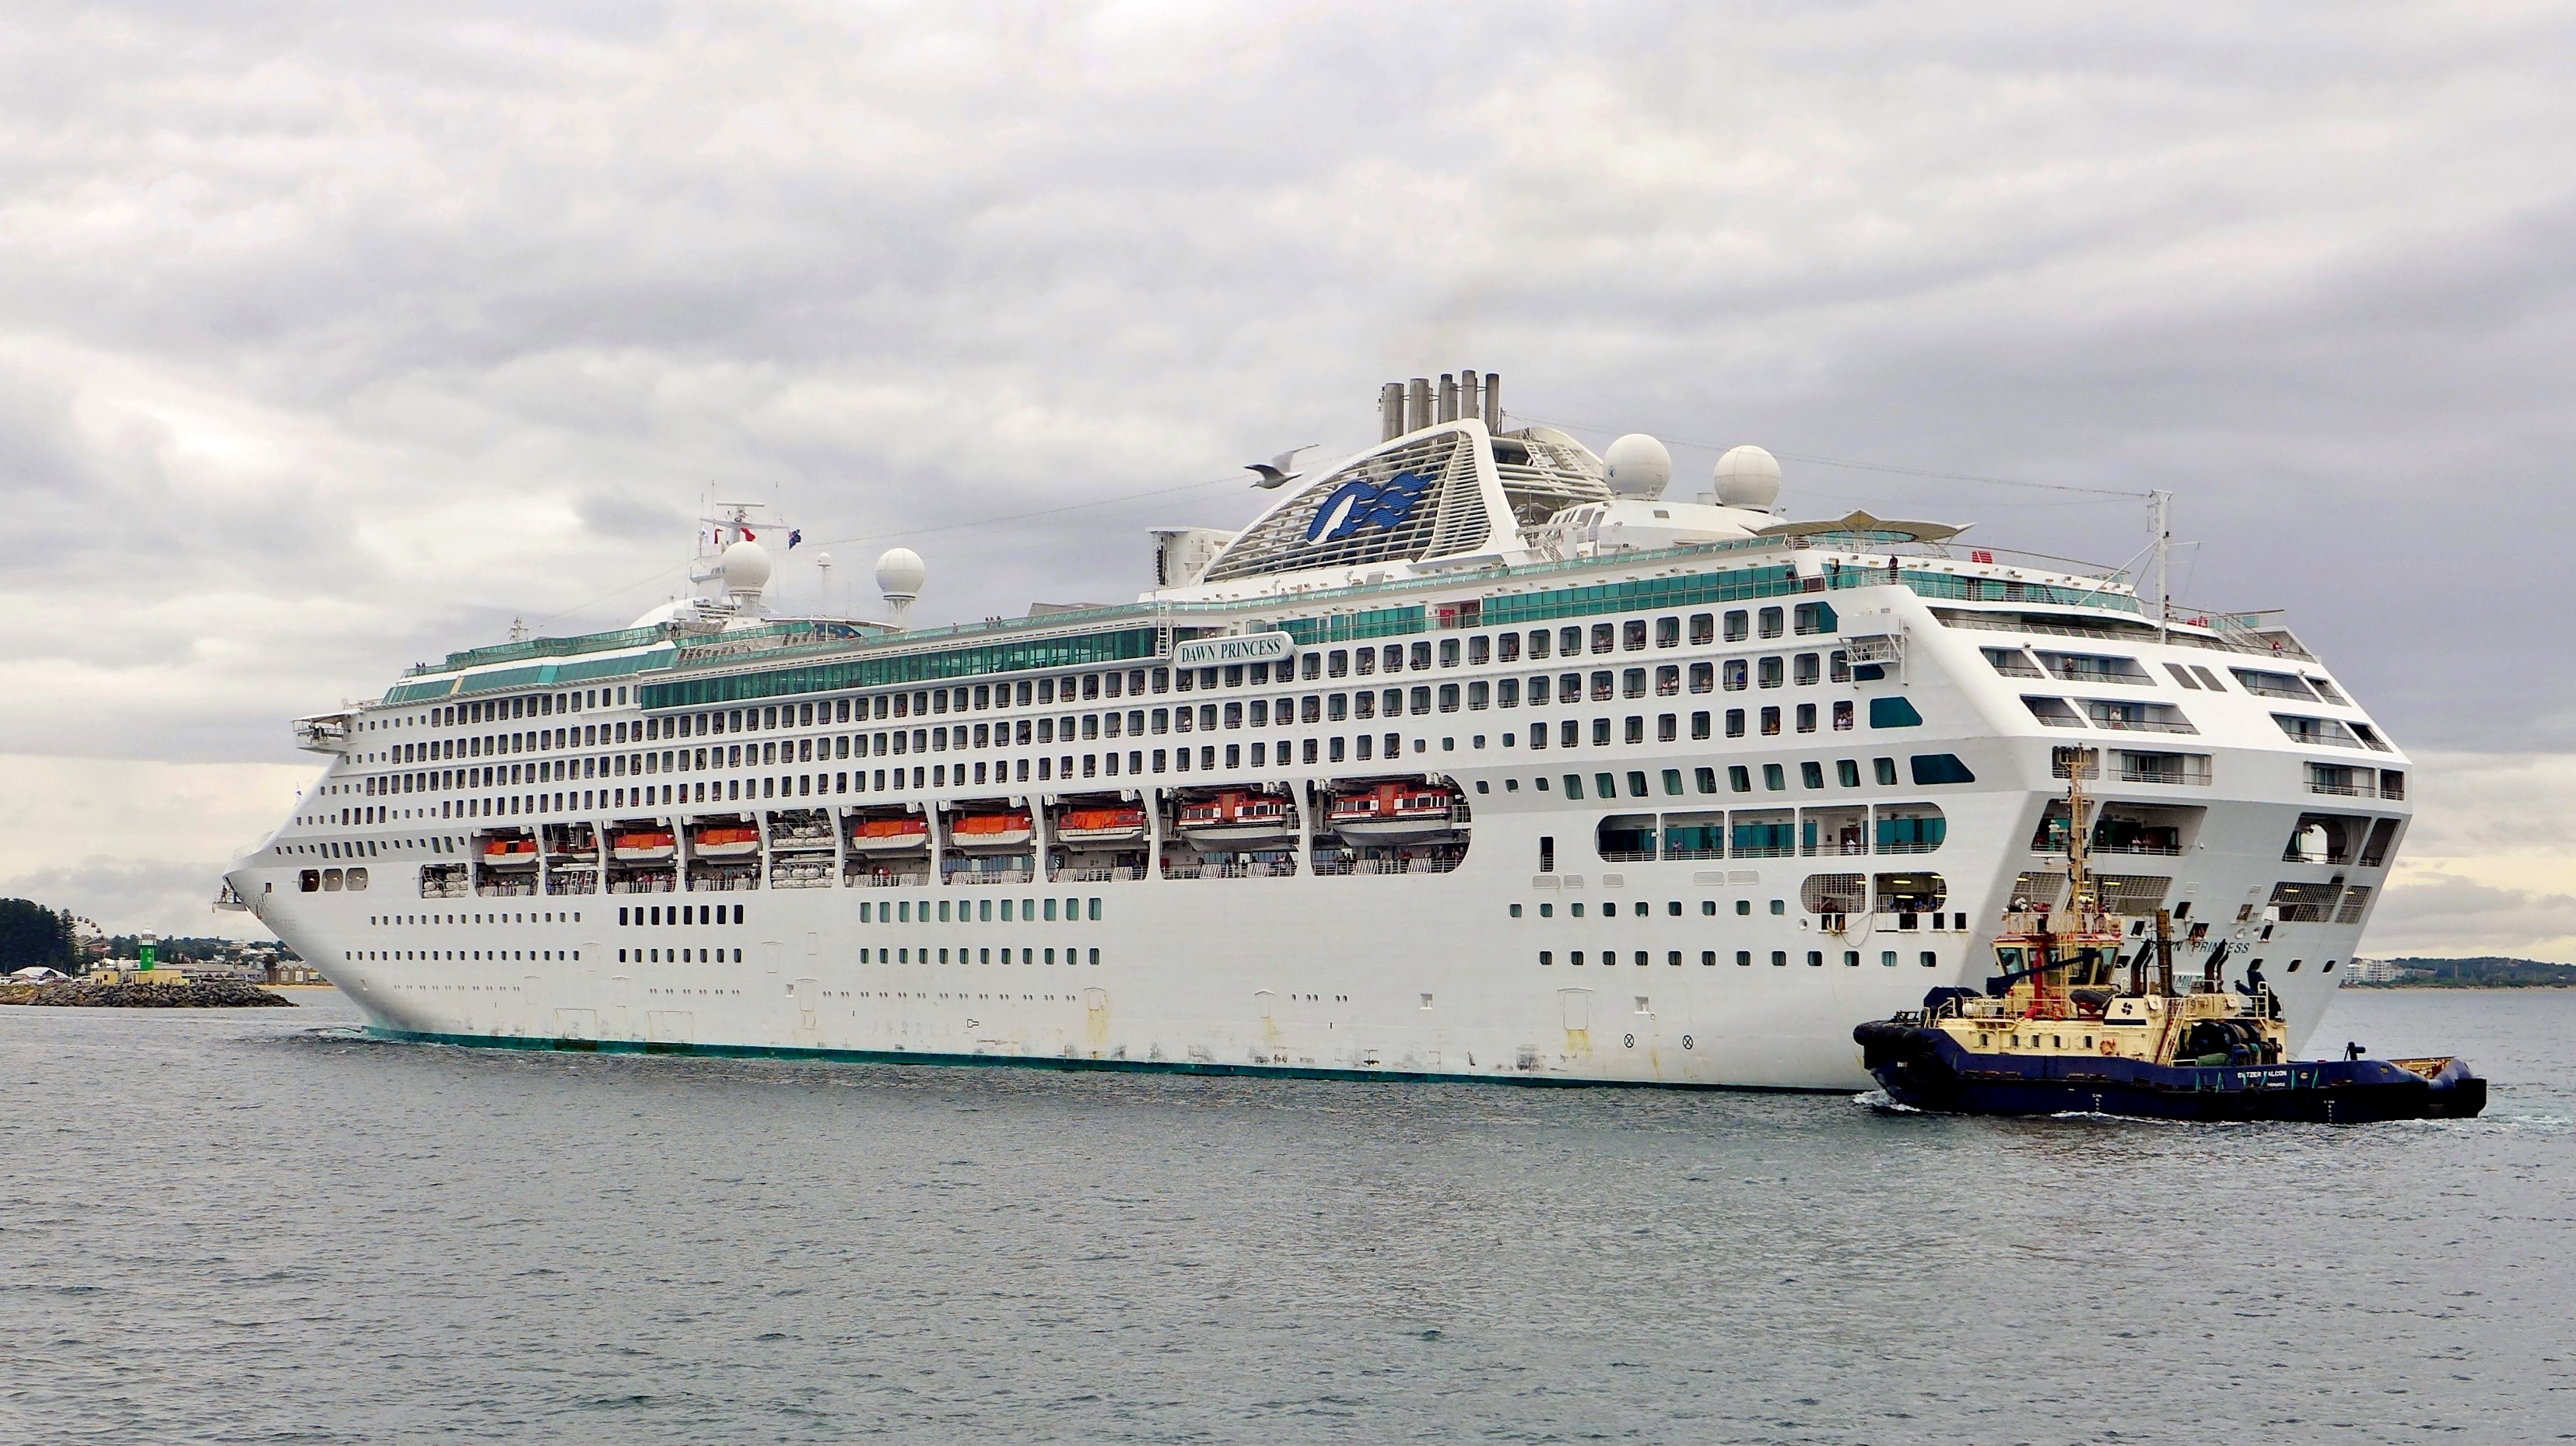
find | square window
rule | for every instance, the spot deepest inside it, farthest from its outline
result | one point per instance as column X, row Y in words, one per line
column 1739, row 779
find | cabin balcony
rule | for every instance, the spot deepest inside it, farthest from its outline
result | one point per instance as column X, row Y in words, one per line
column 859, row 876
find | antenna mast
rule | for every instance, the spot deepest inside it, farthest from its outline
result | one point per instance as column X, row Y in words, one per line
column 2158, row 506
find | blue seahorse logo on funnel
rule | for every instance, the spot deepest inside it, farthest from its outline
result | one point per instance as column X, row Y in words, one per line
column 1363, row 503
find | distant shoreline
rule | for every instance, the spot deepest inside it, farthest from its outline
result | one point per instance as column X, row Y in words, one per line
column 2455, row 985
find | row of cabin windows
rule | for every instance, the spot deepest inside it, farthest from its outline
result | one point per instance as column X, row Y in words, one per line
column 1420, row 700
column 1570, row 733
column 1631, row 635
column 902, row 954
column 1928, row 770
column 1708, row 908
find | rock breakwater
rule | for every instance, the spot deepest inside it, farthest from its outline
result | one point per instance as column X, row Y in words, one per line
column 200, row 994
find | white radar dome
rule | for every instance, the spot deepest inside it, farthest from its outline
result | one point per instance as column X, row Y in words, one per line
column 746, row 567
column 1748, row 477
column 900, row 573
column 1639, row 467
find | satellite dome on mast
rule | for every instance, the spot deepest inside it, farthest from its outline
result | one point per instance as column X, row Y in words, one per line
column 1748, row 477
column 900, row 576
column 746, row 570
column 1639, row 466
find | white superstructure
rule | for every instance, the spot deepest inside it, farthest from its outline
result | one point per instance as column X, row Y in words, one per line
column 1472, row 756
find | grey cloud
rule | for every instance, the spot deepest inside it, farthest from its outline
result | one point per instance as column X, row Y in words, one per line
column 171, row 896
column 331, row 339
column 2446, row 916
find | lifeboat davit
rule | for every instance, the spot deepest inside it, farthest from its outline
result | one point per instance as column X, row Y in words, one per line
column 510, row 853
column 645, row 845
column 1100, row 825
column 978, row 831
column 890, row 835
column 725, row 841
column 1394, row 812
column 1237, row 816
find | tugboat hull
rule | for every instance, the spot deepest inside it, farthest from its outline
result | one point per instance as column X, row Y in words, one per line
column 1927, row 1070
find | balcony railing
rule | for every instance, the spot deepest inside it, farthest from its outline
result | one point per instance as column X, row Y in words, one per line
column 2275, row 690
column 1098, row 876
column 1262, row 870
column 2131, row 773
column 886, row 881
column 2141, row 725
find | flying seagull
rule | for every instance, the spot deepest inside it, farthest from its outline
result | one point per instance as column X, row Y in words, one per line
column 1275, row 473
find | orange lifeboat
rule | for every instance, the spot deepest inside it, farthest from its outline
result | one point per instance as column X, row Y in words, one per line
column 725, row 841
column 889, row 835
column 1238, row 816
column 645, row 845
column 510, row 853
column 979, row 831
column 1100, row 825
column 1394, row 812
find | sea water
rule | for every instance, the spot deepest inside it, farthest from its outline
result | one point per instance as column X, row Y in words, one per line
column 257, row 1226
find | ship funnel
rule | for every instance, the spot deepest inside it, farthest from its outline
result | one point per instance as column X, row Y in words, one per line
column 899, row 577
column 1458, row 397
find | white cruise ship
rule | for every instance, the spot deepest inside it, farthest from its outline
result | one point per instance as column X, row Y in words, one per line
column 1476, row 756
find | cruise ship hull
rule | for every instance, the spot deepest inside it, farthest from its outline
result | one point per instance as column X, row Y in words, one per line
column 1386, row 975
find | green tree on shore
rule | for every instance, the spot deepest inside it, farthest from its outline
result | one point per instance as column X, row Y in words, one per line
column 32, row 934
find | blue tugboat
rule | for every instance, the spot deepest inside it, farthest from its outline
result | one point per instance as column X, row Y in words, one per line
column 2058, row 1030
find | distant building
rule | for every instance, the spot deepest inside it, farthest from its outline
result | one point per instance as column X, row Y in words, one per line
column 2379, row 971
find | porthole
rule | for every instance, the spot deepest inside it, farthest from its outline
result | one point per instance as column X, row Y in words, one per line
column 1686, row 1041
column 1631, row 1040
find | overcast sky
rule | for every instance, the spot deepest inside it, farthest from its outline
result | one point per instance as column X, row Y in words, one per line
column 335, row 337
